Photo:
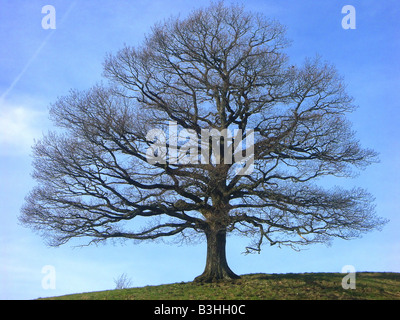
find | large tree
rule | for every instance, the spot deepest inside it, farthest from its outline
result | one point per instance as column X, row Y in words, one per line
column 221, row 68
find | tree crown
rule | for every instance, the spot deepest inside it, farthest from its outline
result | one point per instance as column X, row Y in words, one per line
column 220, row 68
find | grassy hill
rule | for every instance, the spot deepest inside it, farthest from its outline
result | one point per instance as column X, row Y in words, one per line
column 314, row 286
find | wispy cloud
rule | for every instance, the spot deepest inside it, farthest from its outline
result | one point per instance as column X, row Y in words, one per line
column 35, row 55
column 26, row 67
column 19, row 126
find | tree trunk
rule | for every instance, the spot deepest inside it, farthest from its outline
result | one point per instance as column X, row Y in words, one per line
column 216, row 265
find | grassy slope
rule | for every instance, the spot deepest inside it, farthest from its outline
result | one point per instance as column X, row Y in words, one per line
column 369, row 285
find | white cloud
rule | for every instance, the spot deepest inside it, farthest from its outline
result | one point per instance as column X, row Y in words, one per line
column 19, row 126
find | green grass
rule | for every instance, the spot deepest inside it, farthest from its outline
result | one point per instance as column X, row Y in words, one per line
column 307, row 286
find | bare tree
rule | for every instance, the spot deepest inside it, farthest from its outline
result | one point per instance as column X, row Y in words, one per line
column 122, row 282
column 220, row 68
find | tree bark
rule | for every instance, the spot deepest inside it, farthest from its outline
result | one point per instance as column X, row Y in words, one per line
column 216, row 265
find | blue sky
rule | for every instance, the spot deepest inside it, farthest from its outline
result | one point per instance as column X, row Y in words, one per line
column 38, row 65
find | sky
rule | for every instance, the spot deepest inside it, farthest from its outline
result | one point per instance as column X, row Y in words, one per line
column 37, row 65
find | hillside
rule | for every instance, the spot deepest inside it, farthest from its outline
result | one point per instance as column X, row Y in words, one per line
column 307, row 286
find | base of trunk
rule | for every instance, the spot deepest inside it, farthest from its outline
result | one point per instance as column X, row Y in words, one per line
column 216, row 265
column 209, row 276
